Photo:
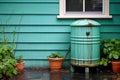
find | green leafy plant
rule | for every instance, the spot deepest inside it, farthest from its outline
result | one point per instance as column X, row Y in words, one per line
column 7, row 61
column 110, row 50
column 7, row 54
column 19, row 58
column 56, row 55
column 7, row 57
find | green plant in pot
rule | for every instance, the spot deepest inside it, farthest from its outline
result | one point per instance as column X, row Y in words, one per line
column 7, row 56
column 20, row 64
column 111, row 53
column 56, row 61
column 7, row 61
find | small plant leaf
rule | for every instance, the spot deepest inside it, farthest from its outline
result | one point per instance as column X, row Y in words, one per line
column 56, row 55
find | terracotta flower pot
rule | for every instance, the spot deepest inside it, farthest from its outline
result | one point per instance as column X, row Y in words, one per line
column 55, row 63
column 116, row 66
column 20, row 66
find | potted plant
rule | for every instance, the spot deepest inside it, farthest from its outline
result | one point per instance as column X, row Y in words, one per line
column 7, row 61
column 111, row 53
column 7, row 54
column 20, row 64
column 56, row 61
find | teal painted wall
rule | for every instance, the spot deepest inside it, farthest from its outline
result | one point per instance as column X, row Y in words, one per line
column 39, row 32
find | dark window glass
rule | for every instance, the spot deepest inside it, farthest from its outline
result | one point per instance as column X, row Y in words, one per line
column 74, row 5
column 93, row 5
column 90, row 5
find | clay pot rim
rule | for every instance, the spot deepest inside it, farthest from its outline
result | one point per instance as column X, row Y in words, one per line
column 56, row 59
column 20, row 62
column 114, row 61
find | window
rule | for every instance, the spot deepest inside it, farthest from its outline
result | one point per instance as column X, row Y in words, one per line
column 84, row 9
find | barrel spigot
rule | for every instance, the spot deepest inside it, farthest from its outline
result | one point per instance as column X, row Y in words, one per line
column 87, row 33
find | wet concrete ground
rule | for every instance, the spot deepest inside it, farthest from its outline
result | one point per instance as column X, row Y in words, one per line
column 46, row 74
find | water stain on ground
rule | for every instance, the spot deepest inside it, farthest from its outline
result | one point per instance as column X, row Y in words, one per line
column 46, row 74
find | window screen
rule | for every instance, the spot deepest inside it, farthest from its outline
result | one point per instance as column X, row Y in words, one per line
column 93, row 5
column 74, row 5
column 83, row 5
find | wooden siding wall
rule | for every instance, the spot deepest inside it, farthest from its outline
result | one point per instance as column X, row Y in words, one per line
column 39, row 32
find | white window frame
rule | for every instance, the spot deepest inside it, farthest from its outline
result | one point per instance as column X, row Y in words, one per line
column 64, row 14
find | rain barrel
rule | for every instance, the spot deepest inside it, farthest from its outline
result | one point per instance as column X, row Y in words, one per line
column 85, row 43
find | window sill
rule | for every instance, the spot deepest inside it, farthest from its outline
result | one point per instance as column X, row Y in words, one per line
column 84, row 16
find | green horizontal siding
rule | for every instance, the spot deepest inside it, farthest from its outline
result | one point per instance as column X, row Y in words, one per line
column 40, row 37
column 110, row 28
column 44, row 46
column 33, row 20
column 115, row 1
column 110, row 35
column 29, row 0
column 28, row 54
column 37, row 63
column 114, row 8
column 38, row 28
column 33, row 8
column 39, row 32
column 50, row 20
column 28, row 8
column 44, row 37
